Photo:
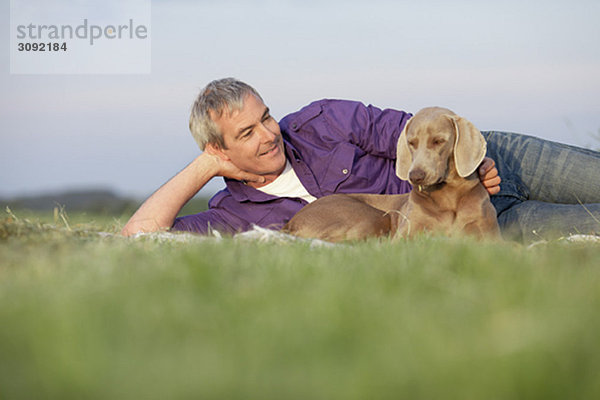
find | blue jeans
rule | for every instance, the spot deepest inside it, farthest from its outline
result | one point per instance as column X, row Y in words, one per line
column 548, row 189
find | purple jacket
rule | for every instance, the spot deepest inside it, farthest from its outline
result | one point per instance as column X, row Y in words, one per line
column 334, row 146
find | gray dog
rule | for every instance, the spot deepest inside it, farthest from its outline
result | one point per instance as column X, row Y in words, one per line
column 438, row 152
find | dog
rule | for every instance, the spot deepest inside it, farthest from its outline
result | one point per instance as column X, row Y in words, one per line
column 438, row 152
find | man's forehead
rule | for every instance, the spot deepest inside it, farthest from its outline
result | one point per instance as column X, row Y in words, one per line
column 231, row 122
column 248, row 106
column 250, row 101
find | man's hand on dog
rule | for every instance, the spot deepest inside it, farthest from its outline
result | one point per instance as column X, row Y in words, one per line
column 488, row 175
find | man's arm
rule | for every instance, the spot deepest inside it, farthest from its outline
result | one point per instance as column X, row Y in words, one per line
column 159, row 211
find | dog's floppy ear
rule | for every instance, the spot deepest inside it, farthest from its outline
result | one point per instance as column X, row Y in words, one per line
column 403, row 157
column 469, row 147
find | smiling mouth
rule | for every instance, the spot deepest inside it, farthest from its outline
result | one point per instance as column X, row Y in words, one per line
column 268, row 151
column 271, row 150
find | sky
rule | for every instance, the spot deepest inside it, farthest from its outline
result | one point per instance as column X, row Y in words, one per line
column 531, row 67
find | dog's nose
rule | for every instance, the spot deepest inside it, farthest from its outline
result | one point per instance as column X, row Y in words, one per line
column 416, row 176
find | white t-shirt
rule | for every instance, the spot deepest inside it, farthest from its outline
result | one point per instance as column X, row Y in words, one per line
column 287, row 185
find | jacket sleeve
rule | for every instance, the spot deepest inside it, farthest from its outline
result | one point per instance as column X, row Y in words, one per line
column 206, row 221
column 373, row 130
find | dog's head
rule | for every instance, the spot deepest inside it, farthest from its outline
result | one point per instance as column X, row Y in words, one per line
column 436, row 142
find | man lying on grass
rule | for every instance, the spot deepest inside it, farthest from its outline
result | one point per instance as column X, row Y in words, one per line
column 274, row 169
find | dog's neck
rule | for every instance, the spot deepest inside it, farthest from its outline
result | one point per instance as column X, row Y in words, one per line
column 448, row 192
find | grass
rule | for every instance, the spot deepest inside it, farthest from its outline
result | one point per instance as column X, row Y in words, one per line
column 86, row 316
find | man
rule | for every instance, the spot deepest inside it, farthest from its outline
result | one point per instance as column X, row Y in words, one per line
column 334, row 146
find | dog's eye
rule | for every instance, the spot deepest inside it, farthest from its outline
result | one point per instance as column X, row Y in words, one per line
column 438, row 141
column 413, row 144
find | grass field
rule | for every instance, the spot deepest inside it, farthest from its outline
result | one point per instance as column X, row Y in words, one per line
column 89, row 316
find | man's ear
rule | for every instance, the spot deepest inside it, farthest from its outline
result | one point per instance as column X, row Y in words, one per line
column 215, row 150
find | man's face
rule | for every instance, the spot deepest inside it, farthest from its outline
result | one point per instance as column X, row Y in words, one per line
column 252, row 139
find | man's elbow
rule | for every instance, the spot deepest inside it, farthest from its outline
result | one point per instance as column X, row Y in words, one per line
column 134, row 227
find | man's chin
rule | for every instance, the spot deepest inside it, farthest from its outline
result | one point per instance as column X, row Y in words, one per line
column 278, row 167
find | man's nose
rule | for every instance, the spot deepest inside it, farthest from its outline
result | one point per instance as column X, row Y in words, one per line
column 266, row 134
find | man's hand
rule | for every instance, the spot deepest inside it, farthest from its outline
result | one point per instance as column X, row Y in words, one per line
column 488, row 175
column 227, row 169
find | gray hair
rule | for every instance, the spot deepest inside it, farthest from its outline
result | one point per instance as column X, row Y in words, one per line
column 215, row 98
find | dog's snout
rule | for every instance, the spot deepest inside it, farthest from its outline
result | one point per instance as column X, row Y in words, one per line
column 416, row 176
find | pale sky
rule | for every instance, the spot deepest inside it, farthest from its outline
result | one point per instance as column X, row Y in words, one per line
column 524, row 66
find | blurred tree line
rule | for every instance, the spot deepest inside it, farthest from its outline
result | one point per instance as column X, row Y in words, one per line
column 93, row 201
